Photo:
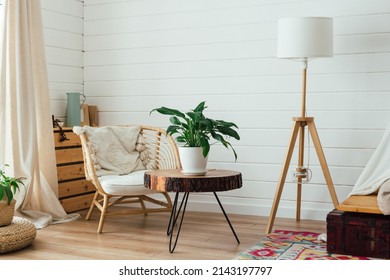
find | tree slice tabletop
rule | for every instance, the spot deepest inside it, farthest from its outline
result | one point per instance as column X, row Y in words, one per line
column 172, row 180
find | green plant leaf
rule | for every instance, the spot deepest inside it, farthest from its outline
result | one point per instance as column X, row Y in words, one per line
column 168, row 111
column 217, row 136
column 228, row 131
column 200, row 107
column 207, row 124
column 172, row 129
column 205, row 146
column 192, row 116
column 175, row 120
column 181, row 139
column 14, row 186
column 9, row 186
column 9, row 195
column 195, row 130
column 227, row 124
column 234, row 152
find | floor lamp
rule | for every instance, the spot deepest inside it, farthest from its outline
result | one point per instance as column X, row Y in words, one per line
column 302, row 39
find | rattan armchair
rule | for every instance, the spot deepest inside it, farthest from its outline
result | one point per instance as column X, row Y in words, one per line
column 159, row 152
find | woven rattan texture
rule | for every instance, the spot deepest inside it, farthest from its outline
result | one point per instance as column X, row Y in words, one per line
column 6, row 212
column 19, row 234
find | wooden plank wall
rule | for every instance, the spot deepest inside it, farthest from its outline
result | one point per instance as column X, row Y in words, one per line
column 63, row 31
column 64, row 44
column 147, row 53
column 144, row 54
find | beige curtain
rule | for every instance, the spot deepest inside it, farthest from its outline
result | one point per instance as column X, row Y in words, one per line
column 26, row 135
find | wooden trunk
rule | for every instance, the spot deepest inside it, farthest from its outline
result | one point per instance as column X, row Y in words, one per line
column 359, row 234
column 173, row 180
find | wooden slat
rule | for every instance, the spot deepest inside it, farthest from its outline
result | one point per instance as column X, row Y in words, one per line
column 76, row 203
column 69, row 155
column 360, row 203
column 66, row 189
column 69, row 172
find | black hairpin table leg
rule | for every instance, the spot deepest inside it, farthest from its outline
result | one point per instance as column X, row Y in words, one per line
column 173, row 219
column 174, row 180
column 227, row 219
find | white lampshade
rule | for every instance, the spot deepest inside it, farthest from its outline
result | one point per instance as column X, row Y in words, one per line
column 305, row 37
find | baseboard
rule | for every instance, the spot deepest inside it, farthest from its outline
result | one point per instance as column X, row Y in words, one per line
column 257, row 207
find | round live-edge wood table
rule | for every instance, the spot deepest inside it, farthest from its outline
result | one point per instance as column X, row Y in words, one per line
column 172, row 180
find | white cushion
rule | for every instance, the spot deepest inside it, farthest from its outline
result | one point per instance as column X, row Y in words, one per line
column 129, row 184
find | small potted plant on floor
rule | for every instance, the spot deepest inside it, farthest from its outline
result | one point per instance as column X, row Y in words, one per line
column 8, row 187
column 196, row 132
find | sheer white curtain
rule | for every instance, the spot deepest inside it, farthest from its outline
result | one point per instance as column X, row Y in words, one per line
column 26, row 137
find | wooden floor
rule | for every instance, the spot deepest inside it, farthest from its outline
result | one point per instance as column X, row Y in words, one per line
column 204, row 236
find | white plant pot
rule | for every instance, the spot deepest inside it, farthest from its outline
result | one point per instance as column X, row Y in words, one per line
column 192, row 161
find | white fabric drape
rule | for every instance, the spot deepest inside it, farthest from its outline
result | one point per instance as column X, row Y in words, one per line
column 26, row 134
column 377, row 170
column 376, row 175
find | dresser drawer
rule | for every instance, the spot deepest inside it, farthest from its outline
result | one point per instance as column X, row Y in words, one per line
column 69, row 155
column 69, row 172
column 77, row 203
column 73, row 139
column 72, row 188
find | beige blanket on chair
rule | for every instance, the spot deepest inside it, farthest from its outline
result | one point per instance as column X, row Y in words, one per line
column 113, row 148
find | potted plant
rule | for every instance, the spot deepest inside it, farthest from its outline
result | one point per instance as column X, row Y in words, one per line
column 8, row 187
column 196, row 132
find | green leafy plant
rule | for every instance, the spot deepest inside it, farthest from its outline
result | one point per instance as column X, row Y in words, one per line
column 195, row 130
column 9, row 185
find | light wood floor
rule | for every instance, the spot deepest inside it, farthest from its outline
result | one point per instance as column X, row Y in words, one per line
column 204, row 236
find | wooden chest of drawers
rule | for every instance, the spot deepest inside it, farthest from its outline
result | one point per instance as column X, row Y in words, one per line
column 74, row 191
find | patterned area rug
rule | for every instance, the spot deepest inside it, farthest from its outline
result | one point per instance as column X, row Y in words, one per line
column 292, row 245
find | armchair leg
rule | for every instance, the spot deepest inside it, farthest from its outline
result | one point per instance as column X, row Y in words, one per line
column 92, row 207
column 169, row 200
column 141, row 201
column 103, row 213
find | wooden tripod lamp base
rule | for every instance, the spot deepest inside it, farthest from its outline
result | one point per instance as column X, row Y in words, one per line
column 301, row 39
column 299, row 127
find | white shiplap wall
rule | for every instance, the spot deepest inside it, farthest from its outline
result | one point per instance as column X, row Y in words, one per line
column 63, row 32
column 64, row 39
column 142, row 54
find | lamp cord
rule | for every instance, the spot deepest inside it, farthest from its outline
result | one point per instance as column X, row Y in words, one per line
column 308, row 170
column 308, row 143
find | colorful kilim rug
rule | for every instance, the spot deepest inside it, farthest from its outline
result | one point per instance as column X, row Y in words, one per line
column 292, row 245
